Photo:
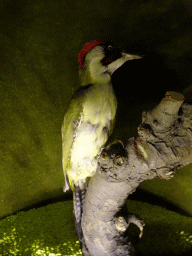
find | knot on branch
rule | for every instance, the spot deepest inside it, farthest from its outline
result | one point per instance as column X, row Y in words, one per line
column 113, row 161
column 122, row 223
column 163, row 117
column 186, row 117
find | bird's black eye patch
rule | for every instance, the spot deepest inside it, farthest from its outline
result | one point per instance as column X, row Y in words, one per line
column 112, row 53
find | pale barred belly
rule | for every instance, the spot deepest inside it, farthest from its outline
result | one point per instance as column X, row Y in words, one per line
column 87, row 144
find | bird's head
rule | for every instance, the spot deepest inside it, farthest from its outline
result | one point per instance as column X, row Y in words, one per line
column 98, row 60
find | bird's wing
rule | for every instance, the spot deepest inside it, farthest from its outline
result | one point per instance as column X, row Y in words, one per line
column 111, row 126
column 69, row 128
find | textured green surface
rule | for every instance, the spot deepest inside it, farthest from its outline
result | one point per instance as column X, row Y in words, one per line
column 44, row 231
column 50, row 231
column 165, row 232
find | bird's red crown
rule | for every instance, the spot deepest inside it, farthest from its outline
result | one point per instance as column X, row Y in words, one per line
column 86, row 48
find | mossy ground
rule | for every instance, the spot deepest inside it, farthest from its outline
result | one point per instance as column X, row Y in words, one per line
column 50, row 231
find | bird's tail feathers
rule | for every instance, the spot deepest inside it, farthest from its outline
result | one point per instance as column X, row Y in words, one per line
column 78, row 201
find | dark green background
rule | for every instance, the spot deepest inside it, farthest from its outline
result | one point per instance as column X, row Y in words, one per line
column 39, row 45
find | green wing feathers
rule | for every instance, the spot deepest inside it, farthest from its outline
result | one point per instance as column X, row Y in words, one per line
column 68, row 131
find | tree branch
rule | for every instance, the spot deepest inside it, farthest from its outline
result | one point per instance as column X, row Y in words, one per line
column 162, row 145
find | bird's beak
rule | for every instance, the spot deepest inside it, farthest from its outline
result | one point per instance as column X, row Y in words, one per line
column 119, row 62
column 130, row 57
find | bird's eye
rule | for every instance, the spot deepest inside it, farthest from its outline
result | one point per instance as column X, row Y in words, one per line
column 110, row 47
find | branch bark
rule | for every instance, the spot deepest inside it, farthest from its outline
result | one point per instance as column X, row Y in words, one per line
column 162, row 145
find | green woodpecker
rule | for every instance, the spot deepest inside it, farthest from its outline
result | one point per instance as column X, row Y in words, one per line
column 90, row 116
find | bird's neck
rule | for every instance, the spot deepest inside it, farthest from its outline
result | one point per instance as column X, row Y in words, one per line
column 90, row 77
column 100, row 92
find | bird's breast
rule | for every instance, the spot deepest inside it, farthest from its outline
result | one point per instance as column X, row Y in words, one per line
column 99, row 109
column 91, row 135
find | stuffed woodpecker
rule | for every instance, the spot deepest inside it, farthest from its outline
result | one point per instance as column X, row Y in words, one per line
column 90, row 116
